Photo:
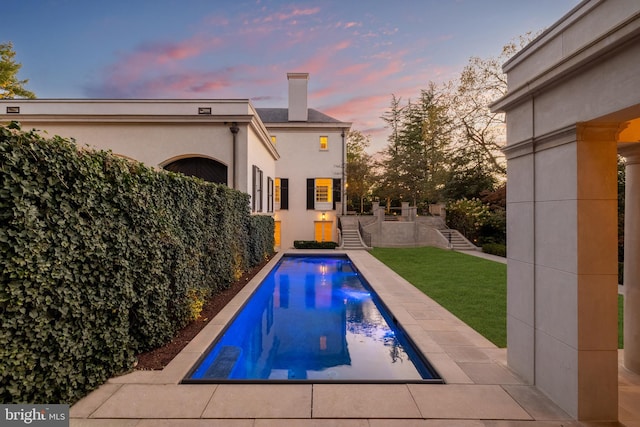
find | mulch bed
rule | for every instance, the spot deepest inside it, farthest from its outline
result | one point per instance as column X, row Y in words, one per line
column 160, row 357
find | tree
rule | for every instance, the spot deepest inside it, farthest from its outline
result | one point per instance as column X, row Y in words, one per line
column 359, row 169
column 415, row 160
column 10, row 86
column 388, row 186
column 467, row 180
column 393, row 119
column 481, row 132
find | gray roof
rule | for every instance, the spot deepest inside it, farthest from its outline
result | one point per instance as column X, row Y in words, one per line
column 281, row 115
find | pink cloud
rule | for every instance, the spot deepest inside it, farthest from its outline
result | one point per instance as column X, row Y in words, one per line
column 391, row 68
column 354, row 69
column 351, row 24
column 281, row 28
column 322, row 62
column 285, row 16
column 165, row 52
column 180, row 84
column 342, row 45
column 364, row 113
column 134, row 72
column 316, row 64
column 355, row 107
column 324, row 92
column 177, row 52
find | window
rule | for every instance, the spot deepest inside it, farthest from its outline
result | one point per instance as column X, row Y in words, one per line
column 269, row 194
column 273, row 139
column 256, row 194
column 259, row 190
column 324, row 143
column 284, row 193
column 319, row 193
column 324, row 188
column 277, row 191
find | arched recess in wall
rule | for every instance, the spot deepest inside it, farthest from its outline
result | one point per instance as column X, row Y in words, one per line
column 200, row 167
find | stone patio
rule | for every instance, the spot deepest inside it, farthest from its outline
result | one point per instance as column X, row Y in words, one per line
column 480, row 390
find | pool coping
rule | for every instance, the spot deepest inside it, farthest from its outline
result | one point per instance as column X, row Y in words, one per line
column 479, row 385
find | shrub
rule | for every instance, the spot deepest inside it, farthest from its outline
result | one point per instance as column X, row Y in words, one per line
column 261, row 238
column 468, row 216
column 197, row 298
column 102, row 258
column 313, row 244
column 495, row 249
column 477, row 221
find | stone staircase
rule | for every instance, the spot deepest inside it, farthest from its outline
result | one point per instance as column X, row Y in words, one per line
column 457, row 240
column 351, row 239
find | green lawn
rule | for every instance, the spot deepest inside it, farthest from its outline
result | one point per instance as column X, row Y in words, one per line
column 472, row 288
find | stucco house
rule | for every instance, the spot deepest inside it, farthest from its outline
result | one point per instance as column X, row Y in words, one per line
column 290, row 160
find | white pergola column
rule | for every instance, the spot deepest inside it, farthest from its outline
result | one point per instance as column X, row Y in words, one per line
column 631, row 152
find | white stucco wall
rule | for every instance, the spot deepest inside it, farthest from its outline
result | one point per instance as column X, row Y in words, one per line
column 155, row 144
column 258, row 156
column 301, row 158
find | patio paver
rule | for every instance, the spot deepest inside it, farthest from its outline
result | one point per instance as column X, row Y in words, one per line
column 85, row 407
column 535, row 403
column 489, row 373
column 84, row 422
column 196, row 423
column 467, row 401
column 260, row 401
column 480, row 390
column 363, row 401
column 156, row 401
column 312, row 422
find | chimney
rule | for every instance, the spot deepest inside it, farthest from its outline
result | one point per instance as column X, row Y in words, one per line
column 298, row 96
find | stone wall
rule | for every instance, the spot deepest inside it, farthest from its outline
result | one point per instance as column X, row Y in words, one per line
column 404, row 231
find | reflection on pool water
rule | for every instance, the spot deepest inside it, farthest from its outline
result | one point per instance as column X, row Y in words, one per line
column 313, row 319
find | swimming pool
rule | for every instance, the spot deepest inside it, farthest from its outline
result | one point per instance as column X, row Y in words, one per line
column 313, row 319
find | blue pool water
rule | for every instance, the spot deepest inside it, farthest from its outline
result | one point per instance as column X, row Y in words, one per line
column 313, row 319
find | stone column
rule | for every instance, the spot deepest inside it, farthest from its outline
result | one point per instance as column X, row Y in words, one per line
column 574, row 283
column 597, row 271
column 405, row 210
column 631, row 152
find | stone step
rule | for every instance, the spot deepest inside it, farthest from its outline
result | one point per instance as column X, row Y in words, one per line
column 351, row 237
column 457, row 240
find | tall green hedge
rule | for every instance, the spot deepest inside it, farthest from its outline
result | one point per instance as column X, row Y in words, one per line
column 97, row 258
column 261, row 236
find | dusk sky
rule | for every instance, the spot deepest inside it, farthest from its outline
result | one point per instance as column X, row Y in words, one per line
column 357, row 52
